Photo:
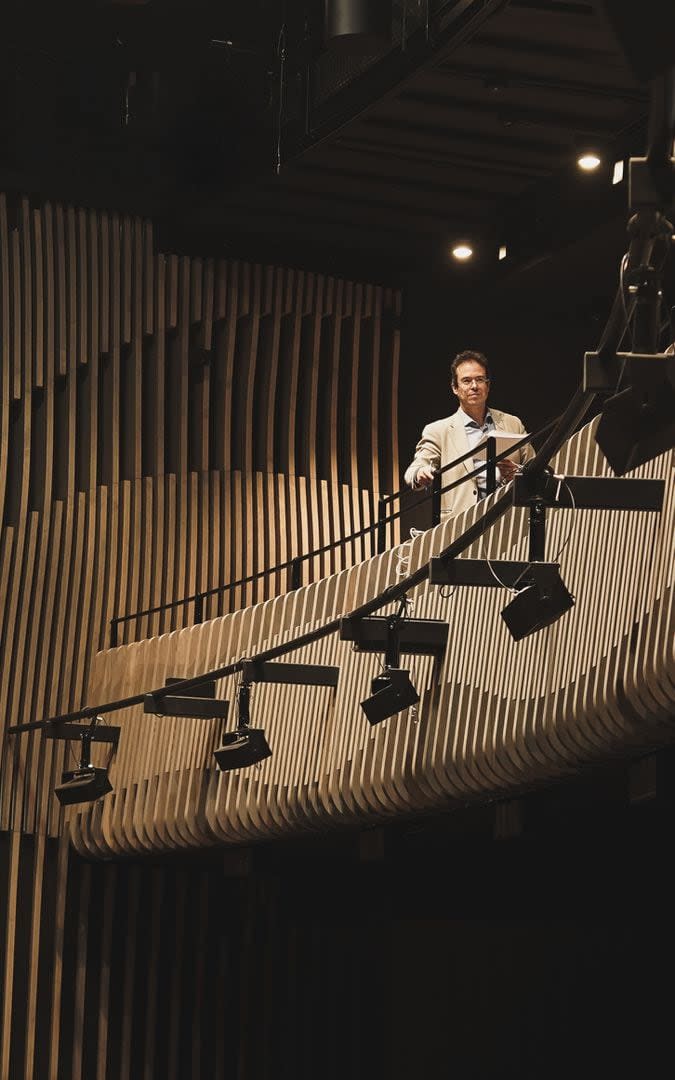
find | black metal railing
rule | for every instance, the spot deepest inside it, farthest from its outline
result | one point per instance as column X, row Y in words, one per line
column 293, row 567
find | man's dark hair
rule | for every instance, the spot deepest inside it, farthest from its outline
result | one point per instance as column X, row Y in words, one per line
column 462, row 357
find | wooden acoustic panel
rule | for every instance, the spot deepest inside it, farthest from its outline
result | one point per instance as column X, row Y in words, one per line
column 496, row 717
column 168, row 424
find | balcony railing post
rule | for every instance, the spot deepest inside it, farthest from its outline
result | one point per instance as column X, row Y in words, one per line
column 537, row 531
column 381, row 524
column 199, row 607
column 491, row 470
column 296, row 573
column 113, row 633
column 436, row 498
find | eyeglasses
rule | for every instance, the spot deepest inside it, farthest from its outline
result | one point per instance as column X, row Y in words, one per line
column 480, row 380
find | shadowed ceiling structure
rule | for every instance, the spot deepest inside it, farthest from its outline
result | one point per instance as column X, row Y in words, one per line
column 240, row 124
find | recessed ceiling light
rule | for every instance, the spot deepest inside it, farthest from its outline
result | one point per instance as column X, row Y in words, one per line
column 462, row 252
column 588, row 161
column 502, row 252
column 617, row 175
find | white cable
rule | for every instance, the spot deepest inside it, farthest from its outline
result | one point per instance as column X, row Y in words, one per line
column 499, row 581
column 561, row 480
column 403, row 553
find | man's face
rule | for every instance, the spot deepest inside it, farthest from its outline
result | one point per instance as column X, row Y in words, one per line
column 472, row 386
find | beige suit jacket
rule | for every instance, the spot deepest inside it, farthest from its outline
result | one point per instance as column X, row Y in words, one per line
column 444, row 440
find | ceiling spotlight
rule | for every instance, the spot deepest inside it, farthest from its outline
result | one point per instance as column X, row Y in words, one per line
column 462, row 252
column 245, row 745
column 502, row 252
column 589, row 161
column 617, row 174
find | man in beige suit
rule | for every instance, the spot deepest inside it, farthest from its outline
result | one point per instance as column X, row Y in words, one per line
column 444, row 440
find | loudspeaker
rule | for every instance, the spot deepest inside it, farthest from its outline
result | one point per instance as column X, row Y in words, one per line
column 539, row 604
column 391, row 693
column 82, row 785
column 638, row 424
column 241, row 748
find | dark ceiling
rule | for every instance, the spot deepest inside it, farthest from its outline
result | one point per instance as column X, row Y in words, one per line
column 465, row 124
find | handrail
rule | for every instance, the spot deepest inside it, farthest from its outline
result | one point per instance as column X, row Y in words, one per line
column 293, row 564
column 389, row 595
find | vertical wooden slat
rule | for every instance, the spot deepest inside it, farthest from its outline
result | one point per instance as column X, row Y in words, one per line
column 5, row 344
column 9, row 930
column 80, row 989
column 129, row 976
column 82, row 286
column 26, row 253
column 106, row 958
column 61, row 289
column 39, row 297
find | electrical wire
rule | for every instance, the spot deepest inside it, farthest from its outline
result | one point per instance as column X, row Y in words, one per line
column 403, row 553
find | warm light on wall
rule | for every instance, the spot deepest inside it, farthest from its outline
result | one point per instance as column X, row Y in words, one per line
column 617, row 175
column 462, row 252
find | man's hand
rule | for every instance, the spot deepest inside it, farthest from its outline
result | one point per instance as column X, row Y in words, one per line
column 425, row 476
column 507, row 469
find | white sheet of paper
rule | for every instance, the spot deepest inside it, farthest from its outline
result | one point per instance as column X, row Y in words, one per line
column 504, row 440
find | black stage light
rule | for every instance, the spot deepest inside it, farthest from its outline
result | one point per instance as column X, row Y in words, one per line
column 242, row 747
column 637, row 426
column 82, row 785
column 392, row 691
column 543, row 600
column 86, row 783
column 245, row 745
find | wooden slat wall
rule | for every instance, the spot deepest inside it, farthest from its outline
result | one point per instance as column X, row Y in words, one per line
column 167, row 424
column 496, row 717
column 112, row 973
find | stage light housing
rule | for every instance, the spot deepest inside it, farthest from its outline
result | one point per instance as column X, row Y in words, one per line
column 391, row 692
column 87, row 782
column 638, row 424
column 543, row 599
column 242, row 747
column 245, row 745
column 82, row 785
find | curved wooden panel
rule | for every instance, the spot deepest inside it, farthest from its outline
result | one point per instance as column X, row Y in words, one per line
column 160, row 435
column 496, row 717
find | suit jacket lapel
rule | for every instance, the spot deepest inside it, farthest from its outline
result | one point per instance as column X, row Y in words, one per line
column 459, row 440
